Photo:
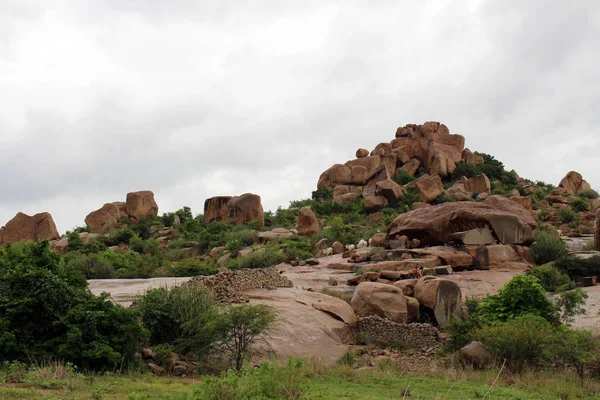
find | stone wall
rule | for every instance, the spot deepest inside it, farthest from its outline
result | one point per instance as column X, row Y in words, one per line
column 385, row 332
column 228, row 285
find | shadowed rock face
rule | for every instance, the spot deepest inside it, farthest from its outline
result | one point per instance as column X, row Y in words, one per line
column 573, row 183
column 441, row 296
column 24, row 227
column 215, row 208
column 436, row 225
column 245, row 208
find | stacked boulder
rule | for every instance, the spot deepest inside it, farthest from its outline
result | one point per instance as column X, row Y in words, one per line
column 25, row 227
column 237, row 210
column 428, row 149
column 137, row 206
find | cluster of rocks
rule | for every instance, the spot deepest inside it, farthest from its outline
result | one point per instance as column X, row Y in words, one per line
column 428, row 150
column 385, row 333
column 227, row 286
column 25, row 227
column 402, row 301
column 173, row 365
column 236, row 210
column 137, row 206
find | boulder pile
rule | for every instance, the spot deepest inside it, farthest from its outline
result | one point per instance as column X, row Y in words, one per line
column 25, row 227
column 137, row 206
column 237, row 210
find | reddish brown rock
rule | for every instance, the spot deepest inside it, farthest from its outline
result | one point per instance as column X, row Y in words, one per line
column 524, row 202
column 380, row 299
column 362, row 153
column 505, row 204
column 573, row 183
column 375, row 203
column 429, row 187
column 141, row 205
column 359, row 174
column 347, row 198
column 411, row 166
column 24, row 227
column 245, row 208
column 336, row 175
column 477, row 184
column 340, row 190
column 104, row 219
column 475, row 353
column 381, row 149
column 215, row 208
column 338, row 248
column 435, row 225
column 441, row 296
column 390, row 190
column 459, row 192
column 308, row 225
column 378, row 240
column 470, row 158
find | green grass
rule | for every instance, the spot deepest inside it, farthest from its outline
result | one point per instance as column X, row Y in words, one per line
column 339, row 383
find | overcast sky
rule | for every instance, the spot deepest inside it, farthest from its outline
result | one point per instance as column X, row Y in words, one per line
column 193, row 99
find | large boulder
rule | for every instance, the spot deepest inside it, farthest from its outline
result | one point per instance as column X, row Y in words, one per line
column 25, row 227
column 375, row 203
column 105, row 219
column 336, row 175
column 597, row 232
column 308, row 225
column 441, row 296
column 573, row 183
column 215, row 208
column 390, row 190
column 387, row 301
column 513, row 207
column 141, row 205
column 411, row 166
column 429, row 187
column 476, row 354
column 436, row 225
column 477, row 184
column 245, row 208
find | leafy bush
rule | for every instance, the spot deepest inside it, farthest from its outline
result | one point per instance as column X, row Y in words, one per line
column 522, row 341
column 48, row 312
column 588, row 194
column 268, row 381
column 538, row 194
column 547, row 247
column 491, row 167
column 348, row 359
column 462, row 328
column 467, row 170
column 239, row 239
column 402, row 177
column 410, row 197
column 551, row 278
column 322, row 193
column 577, row 268
column 571, row 303
column 522, row 295
column 566, row 215
column 75, row 241
column 262, row 258
column 580, row 204
column 93, row 266
column 297, row 249
column 191, row 267
column 178, row 316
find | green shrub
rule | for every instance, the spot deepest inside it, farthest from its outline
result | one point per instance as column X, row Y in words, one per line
column 566, row 215
column 322, row 193
column 571, row 303
column 538, row 194
column 239, row 239
column 262, row 258
column 588, row 194
column 522, row 295
column 75, row 241
column 443, row 198
column 462, row 328
column 547, row 247
column 410, row 197
column 178, row 316
column 191, row 267
column 93, row 266
column 268, row 381
column 402, row 177
column 48, row 313
column 577, row 268
column 297, row 249
column 464, row 169
column 348, row 359
column 551, row 278
column 93, row 246
column 522, row 341
column 580, row 204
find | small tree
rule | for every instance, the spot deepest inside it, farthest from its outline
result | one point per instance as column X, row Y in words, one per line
column 547, row 247
column 571, row 303
column 575, row 347
column 241, row 326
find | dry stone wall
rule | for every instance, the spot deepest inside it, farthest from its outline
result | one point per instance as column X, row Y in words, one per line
column 227, row 286
column 385, row 332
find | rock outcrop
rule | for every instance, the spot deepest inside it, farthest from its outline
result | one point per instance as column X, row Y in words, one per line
column 476, row 354
column 441, row 296
column 138, row 206
column 245, row 208
column 25, row 227
column 215, row 208
column 380, row 299
column 573, row 183
column 308, row 225
column 141, row 205
column 436, row 225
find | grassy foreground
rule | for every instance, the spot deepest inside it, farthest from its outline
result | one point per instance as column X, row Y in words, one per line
column 338, row 383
